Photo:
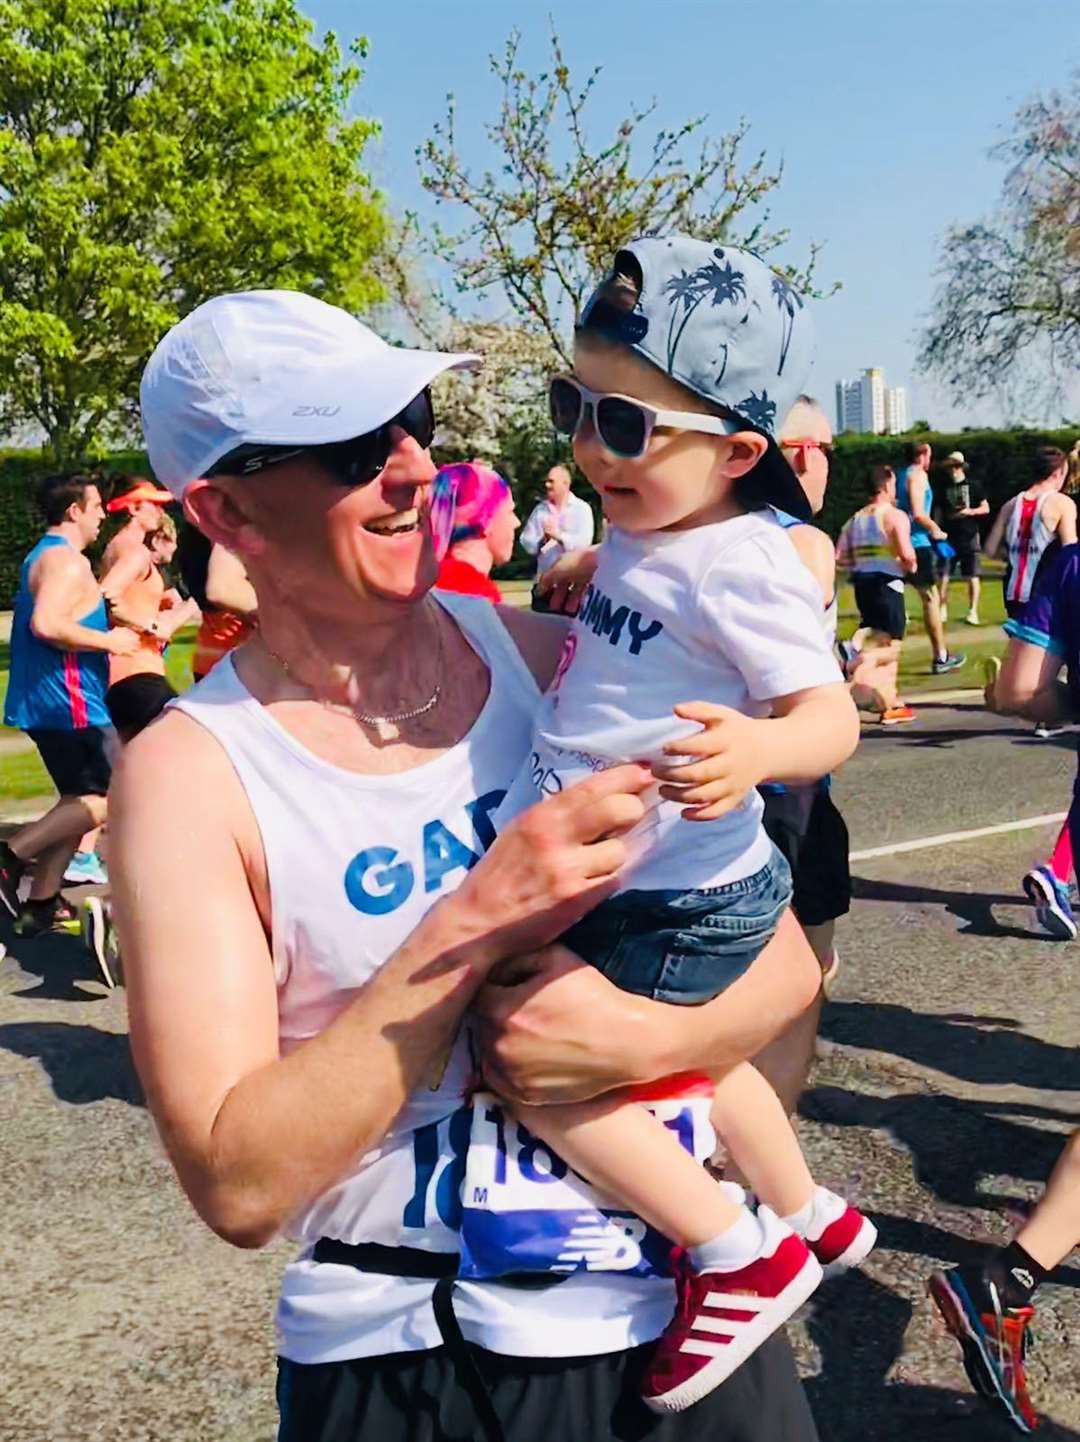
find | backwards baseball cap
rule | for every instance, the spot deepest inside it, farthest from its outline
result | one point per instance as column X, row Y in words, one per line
column 273, row 367
column 140, row 491
column 956, row 458
column 726, row 326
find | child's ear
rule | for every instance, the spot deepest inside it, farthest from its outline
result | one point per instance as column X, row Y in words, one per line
column 745, row 449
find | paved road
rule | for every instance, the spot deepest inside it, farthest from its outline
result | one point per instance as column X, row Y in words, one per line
column 946, row 1081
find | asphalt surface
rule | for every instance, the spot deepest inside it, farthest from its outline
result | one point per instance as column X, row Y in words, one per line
column 946, row 1081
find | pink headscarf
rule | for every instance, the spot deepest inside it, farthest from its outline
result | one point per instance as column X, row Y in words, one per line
column 477, row 494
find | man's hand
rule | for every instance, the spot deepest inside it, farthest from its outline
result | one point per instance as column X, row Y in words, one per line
column 566, row 581
column 727, row 761
column 553, row 1029
column 123, row 641
column 551, row 865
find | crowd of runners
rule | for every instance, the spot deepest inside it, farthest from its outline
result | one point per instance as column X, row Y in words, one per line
column 467, row 1007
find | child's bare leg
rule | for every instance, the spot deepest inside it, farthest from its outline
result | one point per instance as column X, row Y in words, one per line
column 623, row 1150
column 750, row 1119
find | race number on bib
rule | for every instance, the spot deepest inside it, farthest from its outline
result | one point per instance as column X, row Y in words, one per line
column 524, row 1210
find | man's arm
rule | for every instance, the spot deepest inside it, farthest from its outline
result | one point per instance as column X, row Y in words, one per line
column 532, row 535
column 997, row 530
column 227, row 584
column 917, row 491
column 255, row 1136
column 58, row 585
column 818, row 555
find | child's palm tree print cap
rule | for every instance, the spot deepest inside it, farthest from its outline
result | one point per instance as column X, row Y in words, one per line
column 728, row 327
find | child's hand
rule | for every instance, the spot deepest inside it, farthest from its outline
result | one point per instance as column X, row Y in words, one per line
column 729, row 750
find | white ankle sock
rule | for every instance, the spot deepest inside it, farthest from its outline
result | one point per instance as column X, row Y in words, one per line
column 737, row 1247
column 800, row 1221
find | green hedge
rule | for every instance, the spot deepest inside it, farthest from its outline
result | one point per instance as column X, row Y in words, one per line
column 999, row 459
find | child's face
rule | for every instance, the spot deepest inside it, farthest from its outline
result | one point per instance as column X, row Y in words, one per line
column 684, row 478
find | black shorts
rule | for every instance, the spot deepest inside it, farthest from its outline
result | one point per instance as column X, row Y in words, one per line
column 967, row 560
column 925, row 575
column 881, row 603
column 136, row 701
column 803, row 823
column 77, row 761
column 416, row 1397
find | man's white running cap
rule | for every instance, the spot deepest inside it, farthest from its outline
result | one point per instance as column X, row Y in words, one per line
column 272, row 366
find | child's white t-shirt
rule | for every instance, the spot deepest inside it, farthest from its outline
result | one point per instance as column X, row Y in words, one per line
column 725, row 613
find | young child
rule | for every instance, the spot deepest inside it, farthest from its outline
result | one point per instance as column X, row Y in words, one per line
column 686, row 358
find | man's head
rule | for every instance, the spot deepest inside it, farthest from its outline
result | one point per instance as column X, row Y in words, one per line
column 1050, row 465
column 881, row 483
column 162, row 542
column 73, row 502
column 806, row 441
column 299, row 440
column 918, row 453
column 557, row 485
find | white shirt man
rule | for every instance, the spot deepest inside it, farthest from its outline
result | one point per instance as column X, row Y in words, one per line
column 559, row 523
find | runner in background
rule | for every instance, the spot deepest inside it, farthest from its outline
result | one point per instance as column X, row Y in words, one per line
column 216, row 581
column 143, row 503
column 915, row 496
column 1033, row 526
column 60, row 642
column 963, row 501
column 875, row 547
column 483, row 534
column 989, row 1307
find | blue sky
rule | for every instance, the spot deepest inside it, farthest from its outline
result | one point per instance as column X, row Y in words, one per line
column 883, row 113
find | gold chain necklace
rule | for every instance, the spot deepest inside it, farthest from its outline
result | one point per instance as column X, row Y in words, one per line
column 379, row 722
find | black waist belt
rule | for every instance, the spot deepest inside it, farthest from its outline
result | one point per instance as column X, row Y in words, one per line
column 440, row 1267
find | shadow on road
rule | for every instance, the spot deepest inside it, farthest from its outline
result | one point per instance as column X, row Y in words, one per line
column 985, row 1050
column 949, row 737
column 55, row 964
column 83, row 1064
column 860, row 1393
column 973, row 908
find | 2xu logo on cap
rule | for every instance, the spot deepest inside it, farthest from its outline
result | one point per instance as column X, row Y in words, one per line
column 316, row 410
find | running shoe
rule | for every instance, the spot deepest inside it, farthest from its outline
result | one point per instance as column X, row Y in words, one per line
column 99, row 937
column 897, row 715
column 86, row 868
column 972, row 619
column 34, row 920
column 839, row 1236
column 950, row 663
column 1047, row 733
column 993, row 1339
column 11, row 872
column 1050, row 898
column 722, row 1317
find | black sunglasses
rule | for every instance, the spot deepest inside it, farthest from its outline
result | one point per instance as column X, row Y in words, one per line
column 355, row 462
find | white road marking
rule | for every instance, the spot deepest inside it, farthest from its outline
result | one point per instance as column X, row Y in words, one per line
column 947, row 837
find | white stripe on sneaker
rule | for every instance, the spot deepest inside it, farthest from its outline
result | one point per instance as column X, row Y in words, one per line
column 722, row 1326
column 738, row 1300
column 703, row 1348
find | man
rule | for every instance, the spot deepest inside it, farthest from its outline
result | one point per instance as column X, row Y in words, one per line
column 559, row 523
column 963, row 502
column 875, row 547
column 143, row 503
column 327, row 793
column 915, row 496
column 60, row 645
column 988, row 1306
column 803, row 821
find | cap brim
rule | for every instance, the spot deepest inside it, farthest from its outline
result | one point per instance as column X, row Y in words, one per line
column 774, row 482
column 351, row 406
column 124, row 503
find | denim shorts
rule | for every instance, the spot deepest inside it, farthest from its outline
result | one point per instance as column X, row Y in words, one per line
column 684, row 947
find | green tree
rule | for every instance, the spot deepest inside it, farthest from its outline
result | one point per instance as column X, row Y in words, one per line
column 154, row 153
column 918, row 428
column 539, row 227
column 1010, row 292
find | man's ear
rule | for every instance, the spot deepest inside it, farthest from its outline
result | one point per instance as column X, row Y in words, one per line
column 222, row 518
column 746, row 449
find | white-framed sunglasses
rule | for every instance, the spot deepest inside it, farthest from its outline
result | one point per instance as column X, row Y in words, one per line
column 622, row 423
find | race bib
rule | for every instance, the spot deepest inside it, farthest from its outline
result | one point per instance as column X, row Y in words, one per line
column 524, row 1210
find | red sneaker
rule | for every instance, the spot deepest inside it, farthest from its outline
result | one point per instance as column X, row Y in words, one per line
column 839, row 1236
column 721, row 1317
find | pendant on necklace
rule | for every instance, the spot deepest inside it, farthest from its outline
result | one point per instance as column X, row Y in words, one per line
column 386, row 730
